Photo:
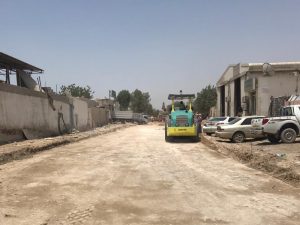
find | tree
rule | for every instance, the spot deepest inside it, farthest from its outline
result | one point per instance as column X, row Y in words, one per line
column 112, row 94
column 206, row 99
column 148, row 107
column 155, row 113
column 77, row 91
column 124, row 99
column 140, row 102
column 163, row 107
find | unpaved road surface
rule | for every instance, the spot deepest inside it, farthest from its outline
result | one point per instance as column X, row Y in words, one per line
column 133, row 177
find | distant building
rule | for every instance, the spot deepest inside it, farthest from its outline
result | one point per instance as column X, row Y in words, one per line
column 105, row 103
column 246, row 89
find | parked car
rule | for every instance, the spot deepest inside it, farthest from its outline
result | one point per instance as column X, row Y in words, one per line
column 210, row 127
column 258, row 125
column 238, row 129
column 286, row 127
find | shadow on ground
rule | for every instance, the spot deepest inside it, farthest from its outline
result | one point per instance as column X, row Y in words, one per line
column 183, row 140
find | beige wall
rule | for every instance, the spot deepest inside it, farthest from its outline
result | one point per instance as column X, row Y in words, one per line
column 212, row 112
column 80, row 114
column 281, row 84
column 24, row 111
column 21, row 108
column 99, row 117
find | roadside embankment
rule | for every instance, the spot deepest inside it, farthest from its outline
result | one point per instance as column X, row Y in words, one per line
column 279, row 160
column 24, row 149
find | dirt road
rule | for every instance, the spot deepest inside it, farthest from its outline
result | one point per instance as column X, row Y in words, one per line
column 133, row 177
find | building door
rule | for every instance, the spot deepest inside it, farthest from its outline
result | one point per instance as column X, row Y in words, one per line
column 237, row 96
column 222, row 100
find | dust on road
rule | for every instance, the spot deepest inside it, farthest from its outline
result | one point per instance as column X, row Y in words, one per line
column 133, row 177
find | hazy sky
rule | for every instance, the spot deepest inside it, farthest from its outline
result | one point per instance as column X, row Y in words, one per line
column 158, row 46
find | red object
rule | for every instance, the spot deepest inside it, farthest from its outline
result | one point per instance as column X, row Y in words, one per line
column 264, row 121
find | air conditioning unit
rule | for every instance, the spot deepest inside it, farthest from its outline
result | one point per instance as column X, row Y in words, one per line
column 250, row 84
column 245, row 106
column 245, row 99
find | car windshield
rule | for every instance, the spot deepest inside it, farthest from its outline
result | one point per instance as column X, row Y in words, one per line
column 217, row 119
column 235, row 120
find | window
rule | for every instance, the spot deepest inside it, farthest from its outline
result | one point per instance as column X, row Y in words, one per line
column 235, row 120
column 247, row 121
column 288, row 111
column 231, row 119
column 217, row 119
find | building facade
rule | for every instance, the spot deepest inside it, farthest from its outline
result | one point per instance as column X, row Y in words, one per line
column 246, row 89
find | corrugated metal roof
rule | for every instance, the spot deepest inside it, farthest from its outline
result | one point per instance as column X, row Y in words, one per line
column 12, row 63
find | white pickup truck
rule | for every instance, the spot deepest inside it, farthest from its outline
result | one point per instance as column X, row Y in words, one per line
column 285, row 128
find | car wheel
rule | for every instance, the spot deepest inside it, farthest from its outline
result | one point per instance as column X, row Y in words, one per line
column 273, row 139
column 238, row 137
column 288, row 135
column 209, row 134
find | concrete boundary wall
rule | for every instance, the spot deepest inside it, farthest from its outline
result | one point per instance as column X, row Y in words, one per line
column 99, row 116
column 28, row 92
column 80, row 114
column 28, row 114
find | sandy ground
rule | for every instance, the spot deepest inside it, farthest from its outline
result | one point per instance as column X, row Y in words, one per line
column 281, row 160
column 23, row 149
column 133, row 177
